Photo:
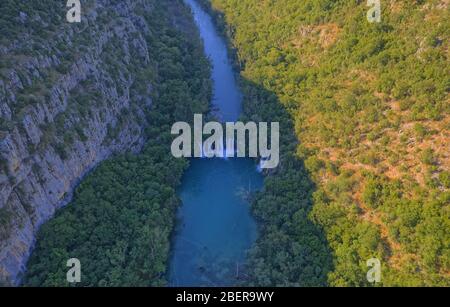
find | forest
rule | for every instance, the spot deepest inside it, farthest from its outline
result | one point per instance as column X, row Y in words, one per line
column 121, row 219
column 365, row 167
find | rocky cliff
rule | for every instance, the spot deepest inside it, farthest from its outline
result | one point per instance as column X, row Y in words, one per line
column 71, row 95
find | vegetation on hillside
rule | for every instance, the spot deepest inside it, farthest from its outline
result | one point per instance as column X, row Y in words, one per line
column 370, row 107
column 121, row 218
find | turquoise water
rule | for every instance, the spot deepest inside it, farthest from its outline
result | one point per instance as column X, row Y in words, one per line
column 215, row 228
column 227, row 97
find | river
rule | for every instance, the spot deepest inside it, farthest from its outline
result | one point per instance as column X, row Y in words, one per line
column 215, row 227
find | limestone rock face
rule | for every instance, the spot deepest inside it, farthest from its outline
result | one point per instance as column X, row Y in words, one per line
column 68, row 102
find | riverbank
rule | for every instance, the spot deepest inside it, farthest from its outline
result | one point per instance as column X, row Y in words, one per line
column 291, row 249
column 215, row 227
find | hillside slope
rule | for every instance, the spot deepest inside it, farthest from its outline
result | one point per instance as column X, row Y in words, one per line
column 370, row 104
column 72, row 95
column 122, row 217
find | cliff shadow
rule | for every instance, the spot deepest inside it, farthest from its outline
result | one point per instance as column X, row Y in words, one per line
column 291, row 250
